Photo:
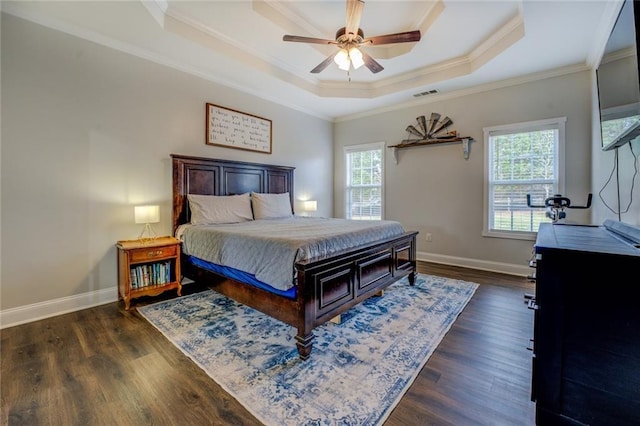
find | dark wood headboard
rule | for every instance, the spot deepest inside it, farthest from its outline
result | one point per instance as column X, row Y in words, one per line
column 210, row 176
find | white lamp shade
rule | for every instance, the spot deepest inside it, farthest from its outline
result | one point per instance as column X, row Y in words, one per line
column 342, row 59
column 310, row 206
column 147, row 214
column 356, row 57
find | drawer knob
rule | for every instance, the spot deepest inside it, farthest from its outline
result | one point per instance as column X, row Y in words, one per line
column 154, row 253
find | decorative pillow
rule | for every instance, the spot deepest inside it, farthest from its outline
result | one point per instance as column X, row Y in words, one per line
column 271, row 206
column 212, row 209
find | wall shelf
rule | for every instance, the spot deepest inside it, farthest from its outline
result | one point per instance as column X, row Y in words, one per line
column 409, row 143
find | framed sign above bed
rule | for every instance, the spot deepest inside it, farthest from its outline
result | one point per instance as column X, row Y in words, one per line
column 234, row 129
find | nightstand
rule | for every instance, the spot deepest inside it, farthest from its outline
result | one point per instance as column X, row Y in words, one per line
column 148, row 268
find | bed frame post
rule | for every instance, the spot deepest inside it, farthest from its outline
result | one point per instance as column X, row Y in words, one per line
column 304, row 342
column 305, row 314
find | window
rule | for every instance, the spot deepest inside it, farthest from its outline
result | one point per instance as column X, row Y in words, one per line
column 365, row 179
column 521, row 159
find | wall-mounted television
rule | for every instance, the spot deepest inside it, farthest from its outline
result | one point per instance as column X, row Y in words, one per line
column 618, row 77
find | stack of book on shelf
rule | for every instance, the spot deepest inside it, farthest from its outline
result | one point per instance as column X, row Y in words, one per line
column 150, row 274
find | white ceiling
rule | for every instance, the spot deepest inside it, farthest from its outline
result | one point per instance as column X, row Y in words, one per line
column 465, row 45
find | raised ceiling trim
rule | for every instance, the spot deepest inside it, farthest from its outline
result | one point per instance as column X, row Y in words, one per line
column 500, row 39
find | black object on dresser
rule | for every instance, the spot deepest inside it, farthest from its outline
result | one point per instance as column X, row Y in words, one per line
column 586, row 349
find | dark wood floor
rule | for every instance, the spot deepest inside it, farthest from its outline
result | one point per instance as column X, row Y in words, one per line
column 105, row 366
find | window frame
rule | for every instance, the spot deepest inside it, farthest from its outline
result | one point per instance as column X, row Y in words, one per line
column 558, row 123
column 349, row 149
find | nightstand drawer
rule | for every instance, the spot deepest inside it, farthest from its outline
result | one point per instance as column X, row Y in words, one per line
column 153, row 253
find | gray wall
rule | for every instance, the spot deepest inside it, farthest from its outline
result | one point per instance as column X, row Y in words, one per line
column 433, row 189
column 87, row 134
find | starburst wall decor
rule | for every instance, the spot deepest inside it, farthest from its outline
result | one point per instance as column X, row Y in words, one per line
column 434, row 131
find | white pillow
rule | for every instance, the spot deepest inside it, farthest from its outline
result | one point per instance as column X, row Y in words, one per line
column 271, row 206
column 212, row 209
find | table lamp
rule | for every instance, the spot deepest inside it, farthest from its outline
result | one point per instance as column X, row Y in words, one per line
column 310, row 206
column 147, row 214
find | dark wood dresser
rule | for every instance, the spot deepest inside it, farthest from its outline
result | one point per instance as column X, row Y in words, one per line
column 586, row 345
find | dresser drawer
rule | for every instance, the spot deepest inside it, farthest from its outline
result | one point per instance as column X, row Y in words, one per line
column 153, row 253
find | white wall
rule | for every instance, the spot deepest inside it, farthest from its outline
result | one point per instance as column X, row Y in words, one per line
column 433, row 189
column 87, row 134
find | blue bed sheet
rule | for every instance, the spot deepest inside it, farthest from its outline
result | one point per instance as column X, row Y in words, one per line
column 238, row 275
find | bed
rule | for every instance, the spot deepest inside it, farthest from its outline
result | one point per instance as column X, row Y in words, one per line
column 325, row 286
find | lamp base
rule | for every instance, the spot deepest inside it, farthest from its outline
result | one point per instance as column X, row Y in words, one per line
column 149, row 232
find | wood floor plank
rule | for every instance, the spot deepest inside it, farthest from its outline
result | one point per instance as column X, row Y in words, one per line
column 108, row 366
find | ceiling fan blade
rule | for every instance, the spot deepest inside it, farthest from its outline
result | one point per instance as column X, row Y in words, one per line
column 371, row 63
column 300, row 39
column 322, row 65
column 354, row 13
column 393, row 38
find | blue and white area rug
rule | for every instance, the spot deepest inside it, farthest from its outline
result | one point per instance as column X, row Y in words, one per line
column 358, row 369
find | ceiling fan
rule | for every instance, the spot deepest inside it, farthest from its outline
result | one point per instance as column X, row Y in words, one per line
column 350, row 37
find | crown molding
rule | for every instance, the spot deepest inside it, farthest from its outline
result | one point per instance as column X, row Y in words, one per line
column 439, row 97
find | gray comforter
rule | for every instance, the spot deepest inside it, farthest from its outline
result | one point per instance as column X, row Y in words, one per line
column 269, row 248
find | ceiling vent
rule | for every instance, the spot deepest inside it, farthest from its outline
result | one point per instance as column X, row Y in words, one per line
column 428, row 92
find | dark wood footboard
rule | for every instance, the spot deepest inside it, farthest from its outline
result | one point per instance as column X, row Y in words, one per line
column 328, row 287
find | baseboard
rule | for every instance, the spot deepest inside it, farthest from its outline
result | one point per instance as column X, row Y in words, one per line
column 51, row 308
column 63, row 305
column 484, row 265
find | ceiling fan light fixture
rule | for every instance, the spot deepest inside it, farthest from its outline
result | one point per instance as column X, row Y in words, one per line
column 349, row 37
column 356, row 57
column 342, row 59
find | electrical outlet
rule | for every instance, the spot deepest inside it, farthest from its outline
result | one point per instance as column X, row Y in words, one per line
column 428, row 237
